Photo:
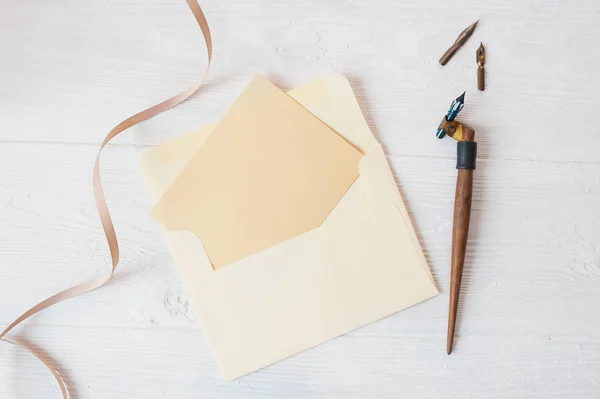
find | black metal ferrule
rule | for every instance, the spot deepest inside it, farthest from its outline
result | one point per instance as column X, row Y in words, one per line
column 466, row 154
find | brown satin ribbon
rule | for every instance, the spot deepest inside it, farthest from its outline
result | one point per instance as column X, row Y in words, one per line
column 107, row 224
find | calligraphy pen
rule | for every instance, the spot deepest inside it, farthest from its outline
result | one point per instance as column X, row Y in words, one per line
column 466, row 154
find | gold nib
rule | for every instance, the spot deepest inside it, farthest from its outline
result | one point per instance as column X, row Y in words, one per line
column 480, row 67
column 460, row 40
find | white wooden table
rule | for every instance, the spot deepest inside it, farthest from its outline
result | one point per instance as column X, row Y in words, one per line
column 530, row 317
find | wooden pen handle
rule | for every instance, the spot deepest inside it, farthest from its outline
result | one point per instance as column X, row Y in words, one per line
column 460, row 232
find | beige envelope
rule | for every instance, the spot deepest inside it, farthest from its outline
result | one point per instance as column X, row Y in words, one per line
column 363, row 263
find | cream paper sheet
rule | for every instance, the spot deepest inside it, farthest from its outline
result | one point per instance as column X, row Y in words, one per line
column 362, row 264
column 269, row 171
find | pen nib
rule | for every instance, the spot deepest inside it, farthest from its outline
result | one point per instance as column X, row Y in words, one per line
column 481, row 54
column 465, row 34
column 460, row 40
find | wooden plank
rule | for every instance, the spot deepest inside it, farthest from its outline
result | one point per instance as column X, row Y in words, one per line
column 162, row 363
column 528, row 318
column 532, row 261
column 83, row 71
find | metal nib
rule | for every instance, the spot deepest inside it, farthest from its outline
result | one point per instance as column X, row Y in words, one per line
column 456, row 106
column 480, row 55
column 460, row 40
column 465, row 34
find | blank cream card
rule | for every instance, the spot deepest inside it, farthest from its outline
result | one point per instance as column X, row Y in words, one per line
column 268, row 172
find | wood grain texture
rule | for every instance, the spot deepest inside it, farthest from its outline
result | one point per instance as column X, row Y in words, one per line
column 460, row 234
column 461, row 220
column 529, row 322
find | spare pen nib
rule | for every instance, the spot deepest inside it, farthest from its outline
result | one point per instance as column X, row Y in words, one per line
column 480, row 67
column 460, row 40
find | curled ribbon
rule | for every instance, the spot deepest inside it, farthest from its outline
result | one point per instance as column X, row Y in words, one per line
column 107, row 224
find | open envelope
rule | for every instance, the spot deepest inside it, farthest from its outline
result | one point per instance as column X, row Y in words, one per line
column 362, row 263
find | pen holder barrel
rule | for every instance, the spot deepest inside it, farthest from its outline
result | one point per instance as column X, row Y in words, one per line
column 460, row 233
column 466, row 155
